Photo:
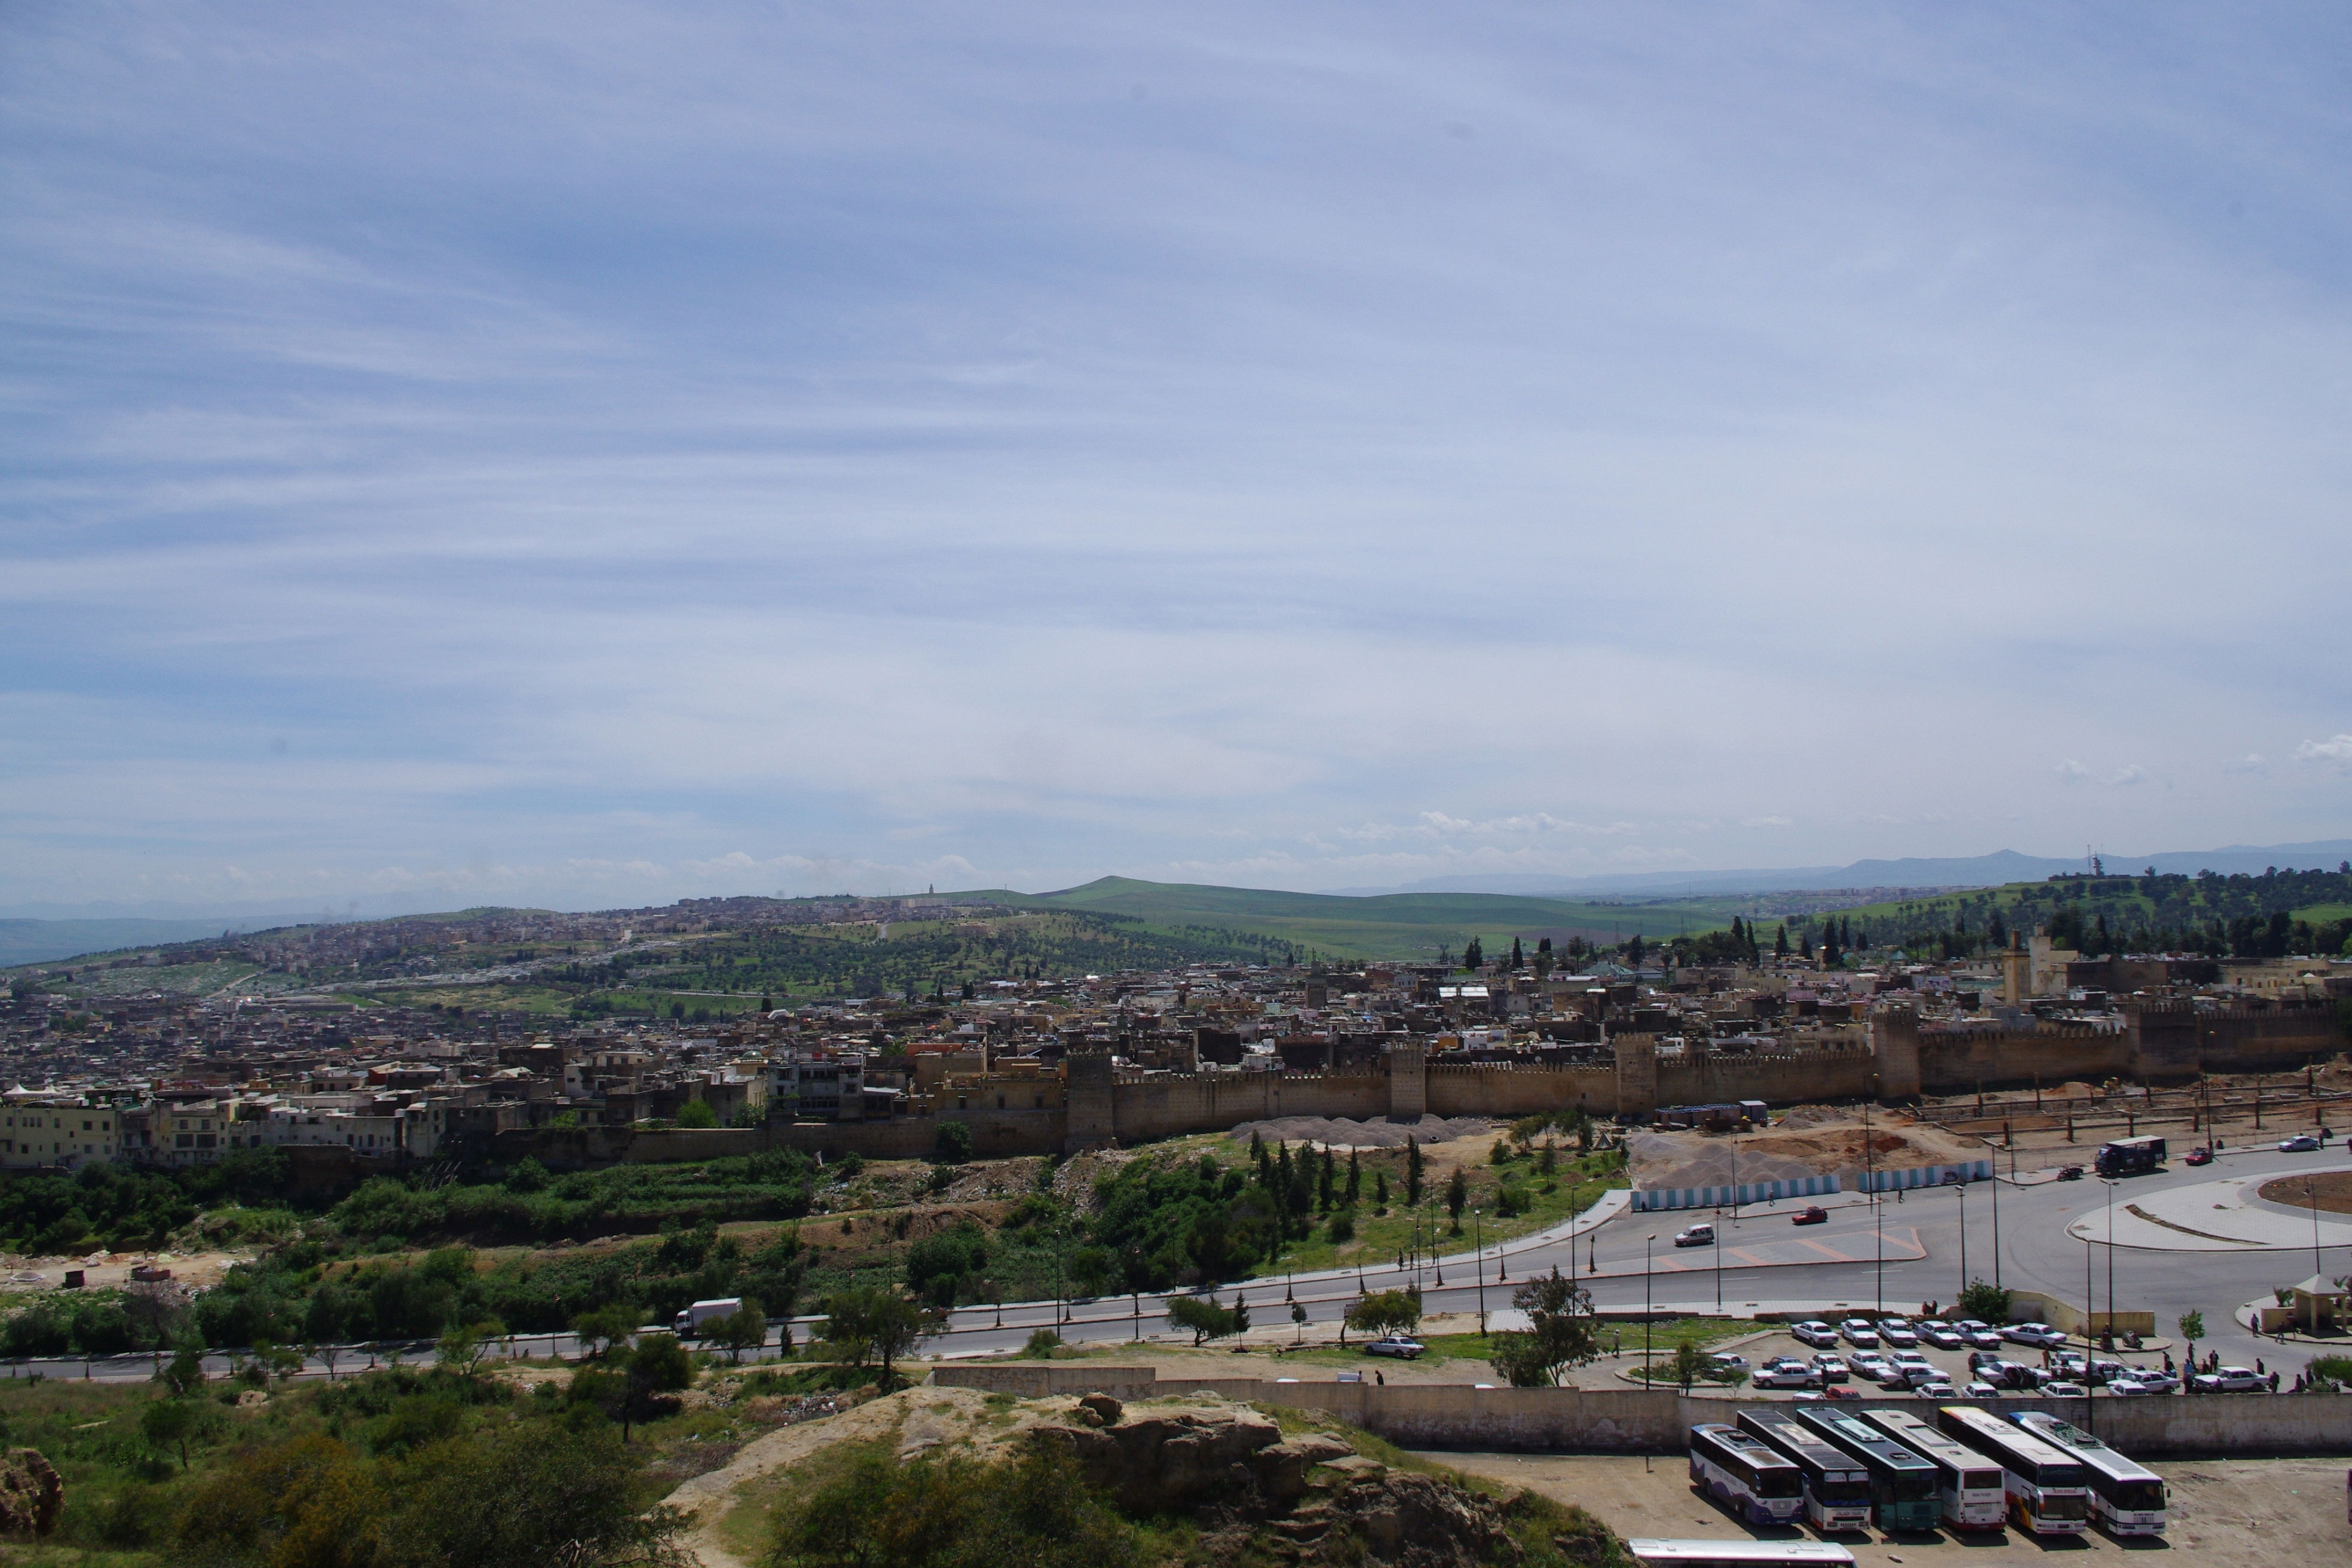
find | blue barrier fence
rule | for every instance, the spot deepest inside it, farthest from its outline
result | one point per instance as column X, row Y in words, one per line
column 1724, row 1197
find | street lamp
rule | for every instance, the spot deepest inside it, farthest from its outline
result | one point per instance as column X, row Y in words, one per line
column 2108, row 1181
column 1478, row 1245
column 1961, row 1186
column 1995, row 1207
column 1645, row 1308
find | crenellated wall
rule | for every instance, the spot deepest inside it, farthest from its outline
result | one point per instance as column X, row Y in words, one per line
column 1168, row 1106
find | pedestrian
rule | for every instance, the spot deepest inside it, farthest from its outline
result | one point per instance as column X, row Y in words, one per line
column 1380, row 1378
column 2273, row 1382
column 2259, row 1367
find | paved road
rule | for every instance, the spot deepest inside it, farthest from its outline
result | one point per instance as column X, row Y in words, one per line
column 1762, row 1261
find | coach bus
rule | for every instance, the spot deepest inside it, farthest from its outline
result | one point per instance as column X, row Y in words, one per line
column 1837, row 1488
column 1745, row 1475
column 2049, row 1492
column 1657, row 1553
column 2127, row 1497
column 1972, row 1494
column 1904, row 1487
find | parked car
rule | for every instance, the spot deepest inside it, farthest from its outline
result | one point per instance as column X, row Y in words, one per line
column 1942, row 1335
column 2070, row 1172
column 2300, row 1144
column 2151, row 1380
column 1816, row 1334
column 1860, row 1333
column 2230, row 1380
column 2200, row 1155
column 1786, row 1371
column 1696, row 1236
column 1911, row 1358
column 2129, row 1387
column 1894, row 1377
column 1841, row 1391
column 1729, row 1361
column 1977, row 1388
column 2065, row 1391
column 1831, row 1369
column 2033, row 1334
column 1977, row 1332
column 1935, row 1391
column 1898, row 1332
column 1869, row 1364
column 1812, row 1214
column 1405, row 1347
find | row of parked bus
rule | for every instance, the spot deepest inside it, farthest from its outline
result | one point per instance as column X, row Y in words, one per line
column 1971, row 1470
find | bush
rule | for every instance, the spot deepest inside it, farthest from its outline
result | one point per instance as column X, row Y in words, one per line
column 1343, row 1226
column 1035, row 1510
column 1043, row 1343
column 951, row 1144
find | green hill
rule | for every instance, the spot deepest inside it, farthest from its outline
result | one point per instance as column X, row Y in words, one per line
column 1390, row 925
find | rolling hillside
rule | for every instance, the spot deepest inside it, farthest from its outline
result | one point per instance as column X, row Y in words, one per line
column 1394, row 925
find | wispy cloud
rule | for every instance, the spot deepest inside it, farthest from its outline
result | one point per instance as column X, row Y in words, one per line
column 627, row 450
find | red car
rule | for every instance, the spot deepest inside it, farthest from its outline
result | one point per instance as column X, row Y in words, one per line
column 1816, row 1214
column 1841, row 1391
column 2198, row 1157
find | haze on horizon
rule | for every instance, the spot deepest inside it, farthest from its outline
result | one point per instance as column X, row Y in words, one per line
column 595, row 454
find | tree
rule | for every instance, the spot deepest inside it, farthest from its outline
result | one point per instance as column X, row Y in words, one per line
column 1781, row 940
column 1202, row 1315
column 1355, row 1177
column 1474, row 956
column 603, row 1328
column 2192, row 1328
column 185, row 1373
column 744, row 1329
column 951, row 1144
column 873, row 1323
column 1411, row 1171
column 1688, row 1365
column 1519, row 958
column 1327, row 1180
column 1560, row 1332
column 1457, row 1197
column 461, row 1349
column 1986, row 1303
column 696, row 1112
column 1383, row 1312
column 1633, row 950
column 1380, row 1190
column 173, row 1424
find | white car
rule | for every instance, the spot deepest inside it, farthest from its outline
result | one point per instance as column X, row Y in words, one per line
column 1980, row 1389
column 1786, row 1371
column 1943, row 1336
column 2129, row 1387
column 1860, row 1333
column 1869, row 1362
column 1405, row 1347
column 1696, row 1236
column 2033, row 1334
column 2230, row 1380
column 2065, row 1391
column 2153, row 1379
column 1831, row 1369
column 1935, row 1391
column 1898, row 1332
column 1816, row 1334
column 1728, row 1360
column 1978, row 1334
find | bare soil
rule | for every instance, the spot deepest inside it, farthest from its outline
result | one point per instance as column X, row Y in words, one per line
column 2333, row 1195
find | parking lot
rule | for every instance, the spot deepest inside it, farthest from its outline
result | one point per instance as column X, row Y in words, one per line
column 1762, row 1350
column 2224, row 1513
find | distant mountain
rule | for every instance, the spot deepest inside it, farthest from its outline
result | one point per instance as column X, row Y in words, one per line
column 1972, row 871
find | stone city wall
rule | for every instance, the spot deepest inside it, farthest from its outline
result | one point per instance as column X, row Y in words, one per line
column 1633, row 1420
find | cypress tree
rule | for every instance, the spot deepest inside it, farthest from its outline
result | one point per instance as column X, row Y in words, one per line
column 1411, row 1171
column 1355, row 1177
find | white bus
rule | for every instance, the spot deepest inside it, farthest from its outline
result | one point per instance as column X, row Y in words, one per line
column 2127, row 1497
column 1837, row 1485
column 1745, row 1475
column 1973, row 1496
column 2049, row 1492
column 1658, row 1553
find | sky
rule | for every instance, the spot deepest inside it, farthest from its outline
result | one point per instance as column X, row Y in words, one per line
column 594, row 454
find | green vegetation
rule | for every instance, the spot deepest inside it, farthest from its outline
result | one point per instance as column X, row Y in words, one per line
column 391, row 1469
column 2237, row 916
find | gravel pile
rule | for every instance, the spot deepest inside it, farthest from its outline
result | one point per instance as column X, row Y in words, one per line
column 1341, row 1132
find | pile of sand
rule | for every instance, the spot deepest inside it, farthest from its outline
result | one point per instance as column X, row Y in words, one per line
column 1784, row 1153
column 1342, row 1133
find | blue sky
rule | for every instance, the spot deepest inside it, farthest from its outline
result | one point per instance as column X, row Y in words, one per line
column 599, row 453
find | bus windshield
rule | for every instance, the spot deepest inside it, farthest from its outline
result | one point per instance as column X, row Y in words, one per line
column 2137, row 1497
column 1780, row 1480
column 2073, row 1506
column 1909, row 1485
column 1855, row 1490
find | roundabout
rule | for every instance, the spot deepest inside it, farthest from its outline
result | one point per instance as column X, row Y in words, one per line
column 2232, row 1214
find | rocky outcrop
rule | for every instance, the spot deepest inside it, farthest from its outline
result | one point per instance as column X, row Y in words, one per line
column 1313, row 1499
column 31, row 1494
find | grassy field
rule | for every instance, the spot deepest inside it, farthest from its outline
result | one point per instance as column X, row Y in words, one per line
column 1395, row 925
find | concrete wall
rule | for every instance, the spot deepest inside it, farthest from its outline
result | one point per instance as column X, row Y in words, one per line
column 1635, row 1420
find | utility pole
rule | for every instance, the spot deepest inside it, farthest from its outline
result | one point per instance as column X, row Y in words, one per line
column 1646, row 1242
column 1478, row 1243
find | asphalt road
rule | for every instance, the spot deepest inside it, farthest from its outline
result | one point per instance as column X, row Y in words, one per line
column 1761, row 1261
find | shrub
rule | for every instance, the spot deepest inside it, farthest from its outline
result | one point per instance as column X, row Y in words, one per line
column 1343, row 1226
column 1035, row 1510
column 1043, row 1343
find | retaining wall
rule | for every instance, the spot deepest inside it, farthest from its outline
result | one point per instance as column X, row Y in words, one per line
column 1573, row 1420
column 1650, row 1198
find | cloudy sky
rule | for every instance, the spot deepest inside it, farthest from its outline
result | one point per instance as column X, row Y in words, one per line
column 596, row 453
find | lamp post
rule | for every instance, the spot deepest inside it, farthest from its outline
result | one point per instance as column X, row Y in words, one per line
column 1961, row 1187
column 1645, row 1308
column 2110, row 1185
column 1995, row 1207
column 1478, row 1244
